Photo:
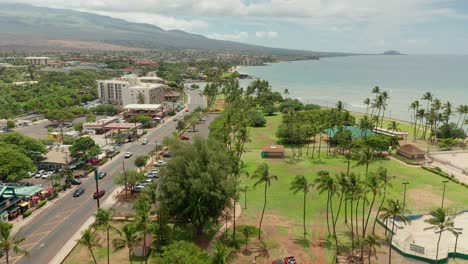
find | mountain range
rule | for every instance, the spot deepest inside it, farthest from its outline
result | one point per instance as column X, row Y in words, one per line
column 27, row 23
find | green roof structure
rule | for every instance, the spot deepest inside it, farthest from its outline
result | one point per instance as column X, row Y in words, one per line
column 356, row 132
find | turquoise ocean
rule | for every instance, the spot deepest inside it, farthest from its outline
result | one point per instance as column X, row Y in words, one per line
column 350, row 79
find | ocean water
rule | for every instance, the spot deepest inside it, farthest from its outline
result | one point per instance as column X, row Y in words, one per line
column 351, row 79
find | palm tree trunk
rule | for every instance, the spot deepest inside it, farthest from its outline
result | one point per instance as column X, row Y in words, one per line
column 328, row 207
column 7, row 256
column 370, row 210
column 130, row 255
column 108, row 247
column 263, row 212
column 438, row 241
column 356, row 217
column 304, row 215
column 313, row 148
column 380, row 208
column 320, row 145
column 390, row 244
column 92, row 254
column 346, row 212
column 144, row 246
column 362, row 226
column 352, row 224
column 370, row 251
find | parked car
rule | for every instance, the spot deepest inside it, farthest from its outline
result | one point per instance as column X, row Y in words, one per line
column 159, row 163
column 99, row 194
column 147, row 182
column 39, row 173
column 144, row 141
column 128, row 154
column 181, row 115
column 184, row 138
column 75, row 182
column 175, row 119
column 31, row 173
column 151, row 175
column 46, row 174
column 78, row 192
column 192, row 130
column 286, row 260
column 138, row 188
column 102, row 175
column 166, row 154
column 187, row 110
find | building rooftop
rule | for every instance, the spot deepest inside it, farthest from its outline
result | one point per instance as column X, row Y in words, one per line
column 411, row 149
column 142, row 106
column 273, row 148
column 36, row 58
column 146, row 86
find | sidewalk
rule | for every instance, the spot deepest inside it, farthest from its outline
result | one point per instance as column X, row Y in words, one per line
column 70, row 245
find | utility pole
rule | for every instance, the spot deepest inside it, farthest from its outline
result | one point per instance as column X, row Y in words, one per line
column 404, row 195
column 443, row 194
column 96, row 178
column 457, row 233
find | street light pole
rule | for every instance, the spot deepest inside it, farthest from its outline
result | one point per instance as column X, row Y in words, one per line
column 443, row 194
column 457, row 233
column 96, row 178
column 404, row 194
column 245, row 197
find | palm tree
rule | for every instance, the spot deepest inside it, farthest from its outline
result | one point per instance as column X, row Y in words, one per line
column 393, row 126
column 367, row 103
column 263, row 177
column 141, row 98
column 104, row 221
column 393, row 211
column 129, row 239
column 143, row 210
column 440, row 222
column 385, row 97
column 385, row 181
column 9, row 242
column 90, row 240
column 301, row 184
column 340, row 106
column 415, row 106
column 427, row 97
column 221, row 253
column 372, row 243
column 247, row 231
column 322, row 184
column 286, row 92
column 463, row 111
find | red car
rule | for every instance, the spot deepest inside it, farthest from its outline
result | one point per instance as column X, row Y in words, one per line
column 99, row 194
column 186, row 110
column 184, row 138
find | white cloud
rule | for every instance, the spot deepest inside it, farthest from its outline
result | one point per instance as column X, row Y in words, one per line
column 266, row 34
column 238, row 36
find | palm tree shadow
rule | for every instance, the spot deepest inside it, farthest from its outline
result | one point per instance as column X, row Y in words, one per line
column 317, row 161
column 302, row 242
column 292, row 161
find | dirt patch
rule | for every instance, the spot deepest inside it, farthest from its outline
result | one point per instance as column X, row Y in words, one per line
column 425, row 198
column 281, row 241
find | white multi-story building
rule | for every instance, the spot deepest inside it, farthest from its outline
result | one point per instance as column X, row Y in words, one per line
column 130, row 90
column 144, row 93
column 37, row 60
column 110, row 91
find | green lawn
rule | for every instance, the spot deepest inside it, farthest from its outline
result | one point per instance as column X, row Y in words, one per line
column 424, row 191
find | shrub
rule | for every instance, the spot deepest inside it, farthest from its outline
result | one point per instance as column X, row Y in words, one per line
column 257, row 118
column 27, row 213
column 41, row 203
column 52, row 196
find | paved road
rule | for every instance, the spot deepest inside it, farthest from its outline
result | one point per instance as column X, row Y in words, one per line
column 54, row 227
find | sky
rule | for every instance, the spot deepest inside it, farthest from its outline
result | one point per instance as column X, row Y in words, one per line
column 366, row 26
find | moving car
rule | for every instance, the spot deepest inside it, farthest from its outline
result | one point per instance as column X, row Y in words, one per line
column 192, row 130
column 99, row 194
column 184, row 138
column 128, row 154
column 78, row 192
column 102, row 175
column 144, row 141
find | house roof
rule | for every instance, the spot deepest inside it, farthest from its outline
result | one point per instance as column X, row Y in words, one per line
column 273, row 148
column 411, row 149
column 142, row 106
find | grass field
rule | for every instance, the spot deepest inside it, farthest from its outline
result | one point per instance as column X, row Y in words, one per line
column 424, row 191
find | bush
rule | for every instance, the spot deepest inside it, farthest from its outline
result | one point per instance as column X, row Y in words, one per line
column 439, row 172
column 257, row 118
column 41, row 203
column 27, row 213
column 52, row 196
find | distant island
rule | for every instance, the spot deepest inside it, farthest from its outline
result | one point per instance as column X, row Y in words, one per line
column 392, row 52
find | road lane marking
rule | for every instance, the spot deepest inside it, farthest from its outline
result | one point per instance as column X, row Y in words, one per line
column 37, row 234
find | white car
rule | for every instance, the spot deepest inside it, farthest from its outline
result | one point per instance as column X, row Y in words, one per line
column 181, row 115
column 128, row 154
column 46, row 175
column 39, row 173
column 147, row 182
column 151, row 175
column 159, row 163
column 144, row 141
